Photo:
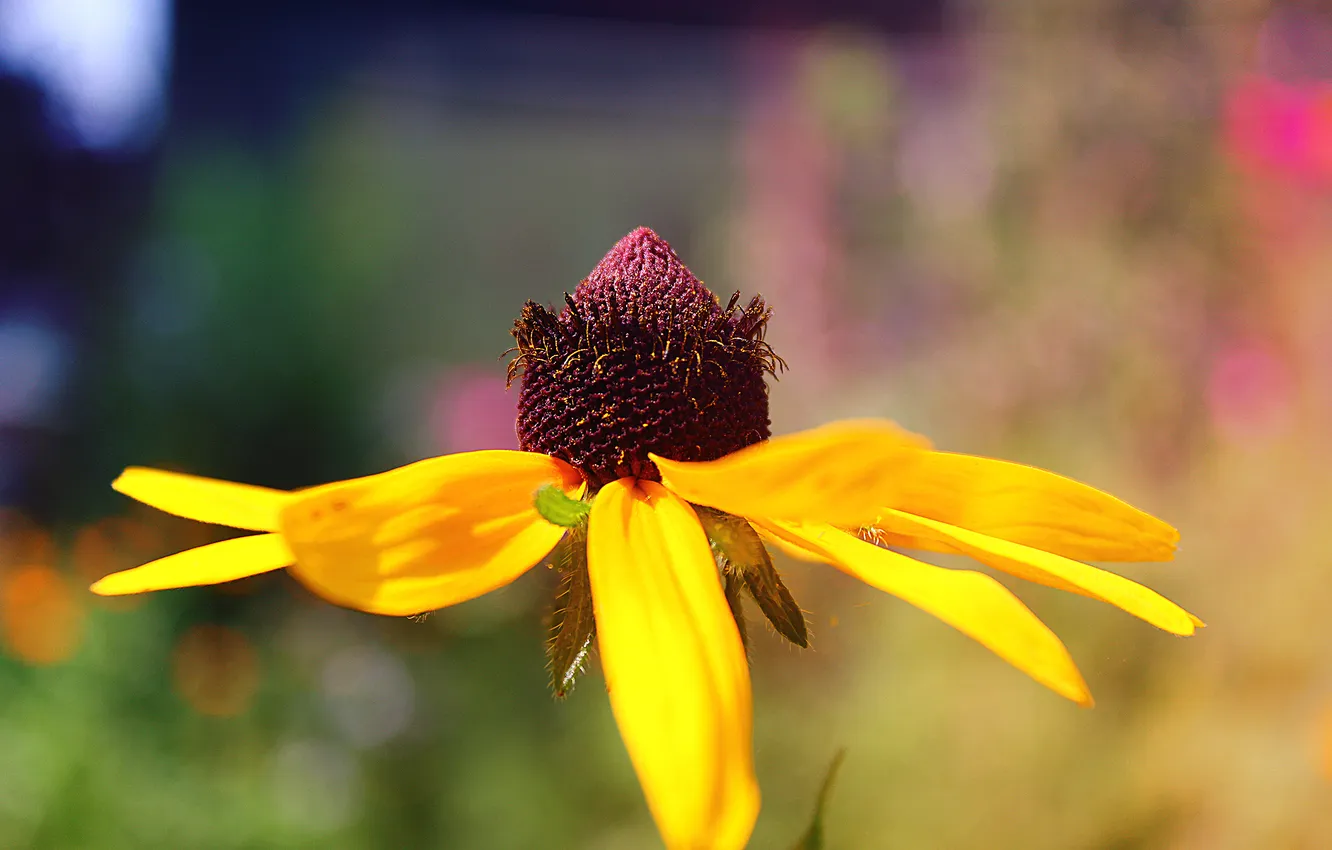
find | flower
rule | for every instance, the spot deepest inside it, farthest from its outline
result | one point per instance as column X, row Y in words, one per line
column 1279, row 129
column 648, row 476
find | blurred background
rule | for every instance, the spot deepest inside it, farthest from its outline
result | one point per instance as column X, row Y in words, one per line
column 284, row 244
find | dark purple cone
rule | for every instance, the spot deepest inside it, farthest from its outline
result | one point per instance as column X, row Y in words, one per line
column 641, row 359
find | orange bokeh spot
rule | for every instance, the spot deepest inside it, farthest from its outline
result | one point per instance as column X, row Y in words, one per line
column 40, row 618
column 93, row 554
column 22, row 541
column 216, row 670
column 111, row 545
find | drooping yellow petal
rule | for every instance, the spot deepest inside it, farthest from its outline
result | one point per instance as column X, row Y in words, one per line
column 938, row 544
column 1034, row 507
column 840, row 473
column 204, row 499
column 674, row 665
column 211, row 564
column 786, row 547
column 883, row 537
column 971, row 602
column 1050, row 570
column 427, row 535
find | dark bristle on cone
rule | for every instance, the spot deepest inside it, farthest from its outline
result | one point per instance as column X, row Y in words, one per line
column 642, row 358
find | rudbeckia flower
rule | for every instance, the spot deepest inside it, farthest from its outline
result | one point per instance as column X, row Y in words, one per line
column 648, row 477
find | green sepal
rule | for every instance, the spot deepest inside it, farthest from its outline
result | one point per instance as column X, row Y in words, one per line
column 732, row 537
column 740, row 550
column 573, row 625
column 558, row 509
column 731, row 584
column 775, row 601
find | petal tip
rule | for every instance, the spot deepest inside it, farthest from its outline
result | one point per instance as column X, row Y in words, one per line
column 1167, row 542
column 125, row 479
column 1073, row 687
column 661, row 461
column 109, row 586
column 1182, row 624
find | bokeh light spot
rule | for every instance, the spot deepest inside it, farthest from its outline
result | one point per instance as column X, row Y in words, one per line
column 370, row 694
column 33, row 361
column 471, row 410
column 111, row 545
column 102, row 61
column 22, row 541
column 1250, row 393
column 216, row 670
column 40, row 618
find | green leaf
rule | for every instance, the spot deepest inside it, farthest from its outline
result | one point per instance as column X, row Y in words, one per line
column 573, row 624
column 558, row 509
column 813, row 837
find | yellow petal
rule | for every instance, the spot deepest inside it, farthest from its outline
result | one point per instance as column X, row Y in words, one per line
column 884, row 537
column 787, row 548
column 1050, row 570
column 674, row 665
column 1034, row 507
column 841, row 474
column 211, row 564
column 424, row 536
column 204, row 499
column 973, row 603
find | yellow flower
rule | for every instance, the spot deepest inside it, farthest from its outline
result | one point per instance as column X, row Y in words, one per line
column 648, row 401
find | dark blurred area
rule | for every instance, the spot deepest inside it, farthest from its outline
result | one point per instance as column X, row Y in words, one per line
column 284, row 244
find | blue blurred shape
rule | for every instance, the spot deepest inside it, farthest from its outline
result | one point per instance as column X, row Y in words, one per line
column 33, row 358
column 103, row 63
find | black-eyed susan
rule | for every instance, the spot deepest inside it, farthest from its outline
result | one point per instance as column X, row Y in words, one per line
column 647, row 470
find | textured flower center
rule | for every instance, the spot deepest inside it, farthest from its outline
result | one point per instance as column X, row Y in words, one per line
column 643, row 358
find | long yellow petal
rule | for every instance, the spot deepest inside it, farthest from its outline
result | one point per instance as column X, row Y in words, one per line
column 674, row 665
column 840, row 473
column 424, row 536
column 1034, row 507
column 211, row 564
column 971, row 602
column 204, row 499
column 1050, row 570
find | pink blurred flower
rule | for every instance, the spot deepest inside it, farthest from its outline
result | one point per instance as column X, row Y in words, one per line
column 472, row 410
column 1279, row 129
column 1250, row 393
